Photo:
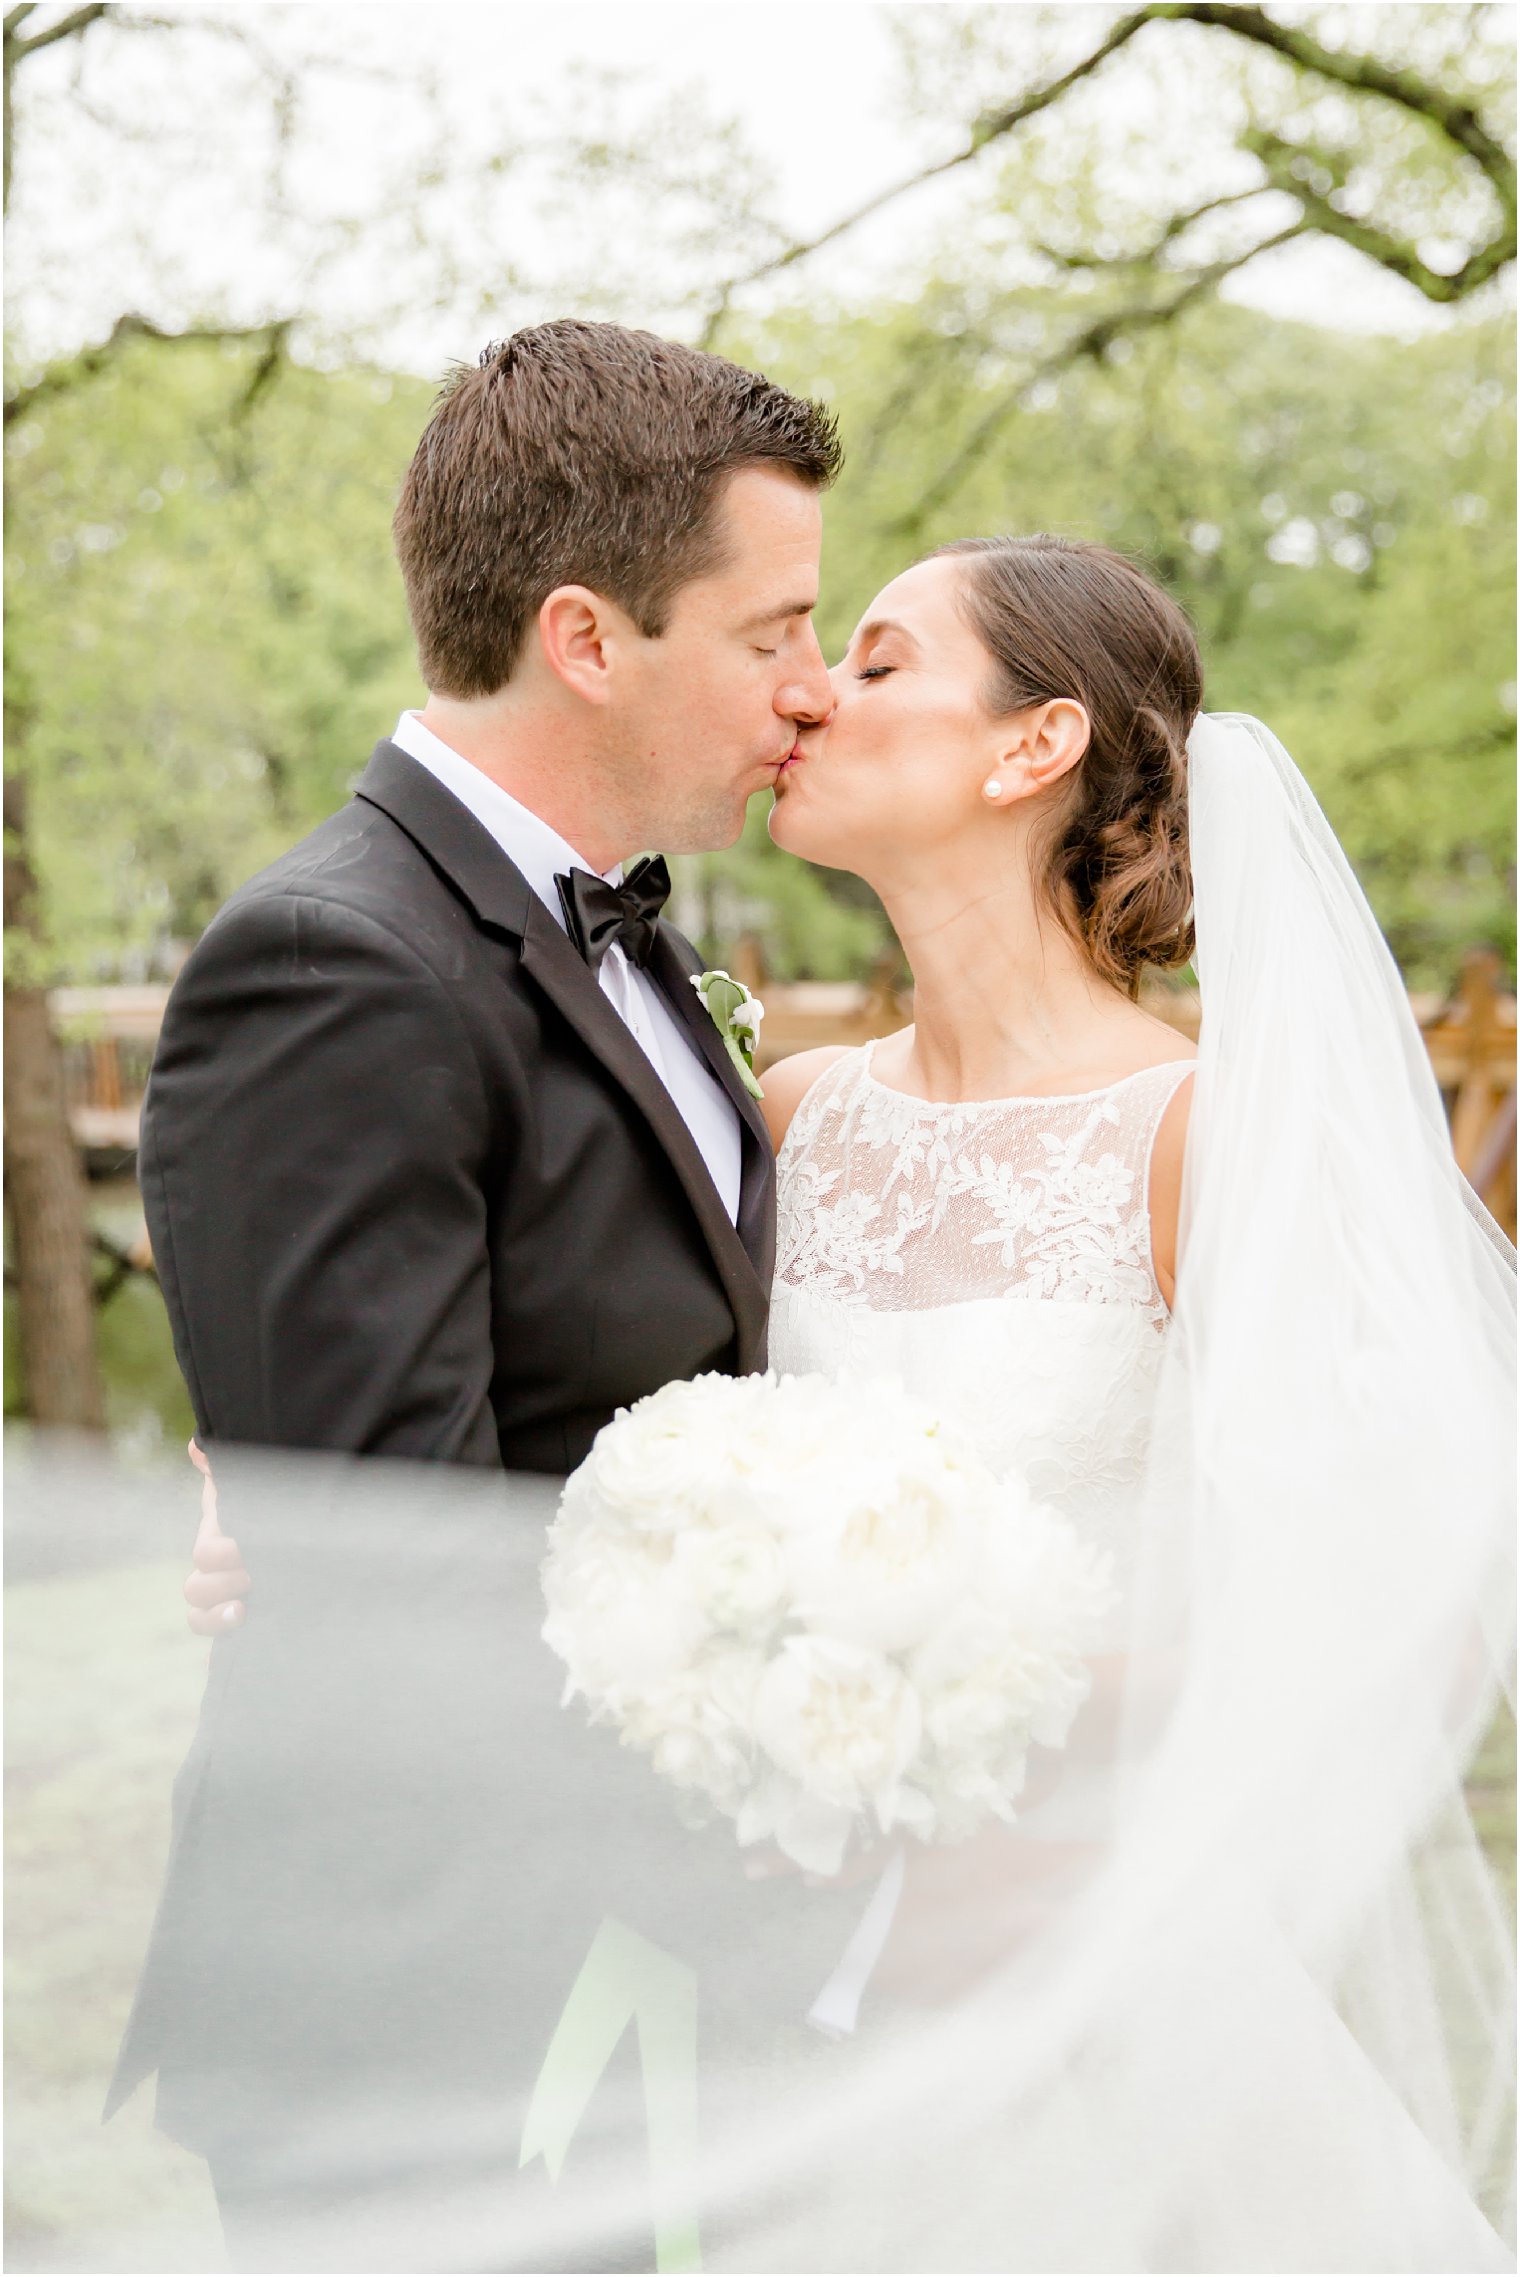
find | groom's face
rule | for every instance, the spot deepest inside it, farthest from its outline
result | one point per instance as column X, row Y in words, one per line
column 711, row 708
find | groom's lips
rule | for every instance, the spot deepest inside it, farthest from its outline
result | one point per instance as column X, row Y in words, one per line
column 790, row 759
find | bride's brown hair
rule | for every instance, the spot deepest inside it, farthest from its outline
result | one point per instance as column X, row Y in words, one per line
column 1064, row 617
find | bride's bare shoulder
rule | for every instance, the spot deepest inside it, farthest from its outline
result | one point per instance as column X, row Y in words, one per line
column 788, row 1082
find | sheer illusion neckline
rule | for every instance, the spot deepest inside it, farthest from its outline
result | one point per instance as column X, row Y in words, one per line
column 1013, row 1098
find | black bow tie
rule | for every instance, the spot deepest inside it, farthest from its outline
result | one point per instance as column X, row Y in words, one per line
column 597, row 914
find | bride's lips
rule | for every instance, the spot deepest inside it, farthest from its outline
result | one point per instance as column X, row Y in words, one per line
column 793, row 758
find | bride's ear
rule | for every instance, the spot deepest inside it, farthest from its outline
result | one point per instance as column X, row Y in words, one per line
column 1048, row 741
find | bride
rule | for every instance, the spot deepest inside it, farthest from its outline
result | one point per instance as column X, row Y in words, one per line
column 986, row 1204
column 1252, row 2005
column 1233, row 1992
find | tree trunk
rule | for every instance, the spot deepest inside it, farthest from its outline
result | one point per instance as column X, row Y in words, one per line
column 44, row 1182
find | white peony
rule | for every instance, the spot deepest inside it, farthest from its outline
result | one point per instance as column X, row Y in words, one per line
column 736, row 1574
column 698, row 1726
column 1008, row 1663
column 673, row 1457
column 893, row 1559
column 816, row 1611
column 841, row 1721
column 619, row 1615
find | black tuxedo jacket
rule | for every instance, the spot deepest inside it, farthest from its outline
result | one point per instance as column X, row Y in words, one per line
column 413, row 1187
column 416, row 1192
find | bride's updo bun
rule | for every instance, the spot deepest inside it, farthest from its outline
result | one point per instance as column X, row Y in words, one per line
column 1064, row 617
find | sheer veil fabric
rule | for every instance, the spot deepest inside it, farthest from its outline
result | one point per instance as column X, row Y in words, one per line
column 1251, row 1996
column 1269, row 2025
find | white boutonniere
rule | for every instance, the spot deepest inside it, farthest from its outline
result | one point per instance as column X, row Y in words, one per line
column 737, row 1016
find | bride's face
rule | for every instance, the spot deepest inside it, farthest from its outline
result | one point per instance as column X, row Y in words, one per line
column 899, row 765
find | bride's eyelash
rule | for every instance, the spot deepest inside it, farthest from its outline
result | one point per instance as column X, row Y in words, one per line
column 874, row 672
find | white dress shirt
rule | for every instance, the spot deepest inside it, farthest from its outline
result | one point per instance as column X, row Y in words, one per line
column 541, row 854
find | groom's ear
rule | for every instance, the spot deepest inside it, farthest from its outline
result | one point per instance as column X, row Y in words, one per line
column 582, row 635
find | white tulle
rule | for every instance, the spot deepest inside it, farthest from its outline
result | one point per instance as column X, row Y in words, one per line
column 1235, row 1994
column 1267, row 2025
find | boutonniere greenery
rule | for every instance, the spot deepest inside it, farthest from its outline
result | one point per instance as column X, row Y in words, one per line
column 737, row 1016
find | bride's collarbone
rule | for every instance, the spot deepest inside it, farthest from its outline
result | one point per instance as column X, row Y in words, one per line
column 894, row 1061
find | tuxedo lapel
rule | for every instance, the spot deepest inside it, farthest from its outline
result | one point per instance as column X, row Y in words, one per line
column 459, row 845
column 555, row 966
column 454, row 840
column 672, row 966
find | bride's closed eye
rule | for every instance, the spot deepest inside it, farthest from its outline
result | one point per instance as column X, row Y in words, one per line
column 874, row 672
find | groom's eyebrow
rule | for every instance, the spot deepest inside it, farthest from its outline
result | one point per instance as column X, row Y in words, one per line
column 782, row 609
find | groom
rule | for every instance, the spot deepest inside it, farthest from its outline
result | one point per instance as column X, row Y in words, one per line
column 507, row 1178
column 443, row 1159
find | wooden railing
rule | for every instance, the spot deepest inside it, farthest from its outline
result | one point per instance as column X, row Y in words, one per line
column 1470, row 1036
column 108, row 1037
column 1471, row 1040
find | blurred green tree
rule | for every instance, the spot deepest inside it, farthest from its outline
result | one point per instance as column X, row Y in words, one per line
column 1335, row 512
column 50, row 1251
column 205, row 628
column 212, row 612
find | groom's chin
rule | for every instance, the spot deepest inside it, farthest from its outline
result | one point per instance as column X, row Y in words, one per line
column 710, row 833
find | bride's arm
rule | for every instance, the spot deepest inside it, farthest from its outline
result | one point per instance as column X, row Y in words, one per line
column 1166, row 1187
column 788, row 1082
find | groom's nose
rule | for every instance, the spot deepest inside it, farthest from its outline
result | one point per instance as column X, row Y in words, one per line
column 808, row 695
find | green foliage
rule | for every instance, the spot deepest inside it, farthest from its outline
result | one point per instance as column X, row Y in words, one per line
column 1336, row 513
column 147, row 1405
column 207, row 628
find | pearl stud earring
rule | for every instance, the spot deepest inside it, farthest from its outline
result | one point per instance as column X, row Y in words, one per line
column 992, row 788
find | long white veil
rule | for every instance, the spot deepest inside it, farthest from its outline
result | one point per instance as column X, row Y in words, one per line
column 1331, row 1499
column 1268, row 2025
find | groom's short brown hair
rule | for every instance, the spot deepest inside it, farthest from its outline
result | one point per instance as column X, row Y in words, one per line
column 580, row 454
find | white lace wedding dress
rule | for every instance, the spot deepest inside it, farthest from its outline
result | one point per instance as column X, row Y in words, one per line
column 993, row 1256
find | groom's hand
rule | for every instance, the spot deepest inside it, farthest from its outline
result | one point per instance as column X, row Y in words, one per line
column 215, row 1588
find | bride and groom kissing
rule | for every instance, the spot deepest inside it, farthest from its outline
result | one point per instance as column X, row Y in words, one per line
column 445, row 1162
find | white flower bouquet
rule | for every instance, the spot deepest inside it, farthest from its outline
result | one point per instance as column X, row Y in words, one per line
column 816, row 1612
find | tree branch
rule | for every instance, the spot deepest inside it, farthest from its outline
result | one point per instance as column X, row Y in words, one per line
column 1150, row 254
column 1366, row 74
column 71, row 371
column 120, row 1263
column 1457, row 120
column 989, row 128
column 16, row 49
column 1090, row 343
column 77, row 20
column 1279, row 157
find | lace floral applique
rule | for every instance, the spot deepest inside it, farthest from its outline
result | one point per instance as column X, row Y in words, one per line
column 843, row 1241
column 1067, row 1226
column 911, row 1203
column 921, row 1142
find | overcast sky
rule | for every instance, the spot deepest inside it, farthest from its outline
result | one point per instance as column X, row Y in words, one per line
column 815, row 88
